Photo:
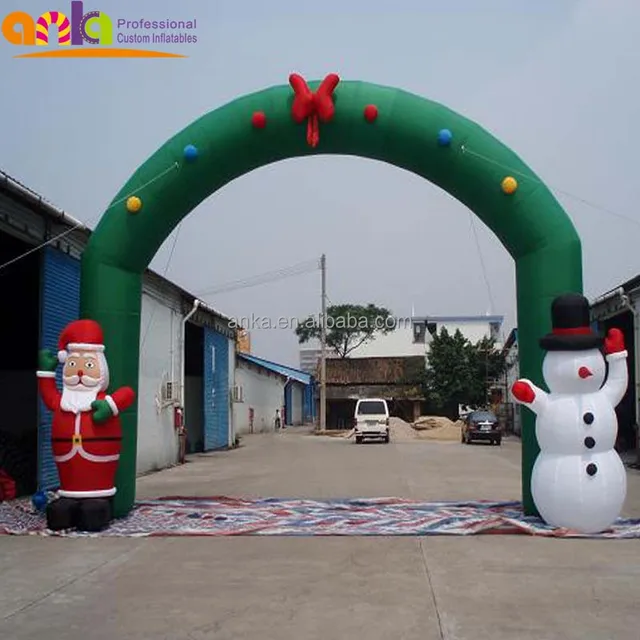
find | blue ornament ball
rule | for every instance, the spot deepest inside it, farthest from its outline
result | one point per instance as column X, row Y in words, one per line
column 190, row 153
column 444, row 137
column 39, row 500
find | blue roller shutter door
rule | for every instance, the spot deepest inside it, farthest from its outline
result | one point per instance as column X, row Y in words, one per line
column 60, row 305
column 297, row 396
column 216, row 390
column 288, row 404
column 309, row 412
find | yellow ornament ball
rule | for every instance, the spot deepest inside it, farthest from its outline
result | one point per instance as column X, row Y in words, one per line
column 134, row 204
column 509, row 185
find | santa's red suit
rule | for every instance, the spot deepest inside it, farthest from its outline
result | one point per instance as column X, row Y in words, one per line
column 86, row 453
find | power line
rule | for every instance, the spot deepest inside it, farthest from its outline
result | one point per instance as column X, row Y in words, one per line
column 564, row 192
column 482, row 265
column 258, row 281
column 166, row 270
column 464, row 149
column 527, row 176
column 175, row 165
column 264, row 278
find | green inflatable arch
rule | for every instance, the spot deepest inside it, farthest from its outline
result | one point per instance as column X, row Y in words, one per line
column 370, row 121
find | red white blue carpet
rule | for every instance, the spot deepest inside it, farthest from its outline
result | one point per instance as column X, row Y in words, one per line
column 224, row 516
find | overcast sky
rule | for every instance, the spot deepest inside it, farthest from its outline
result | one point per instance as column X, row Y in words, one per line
column 556, row 80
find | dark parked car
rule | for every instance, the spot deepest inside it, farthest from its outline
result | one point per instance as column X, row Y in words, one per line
column 481, row 425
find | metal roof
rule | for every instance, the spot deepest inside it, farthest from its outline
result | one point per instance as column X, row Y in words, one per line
column 289, row 372
column 629, row 286
column 632, row 284
column 29, row 196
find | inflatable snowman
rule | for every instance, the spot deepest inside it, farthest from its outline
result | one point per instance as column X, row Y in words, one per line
column 578, row 480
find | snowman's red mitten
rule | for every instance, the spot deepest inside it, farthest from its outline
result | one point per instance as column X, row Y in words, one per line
column 614, row 342
column 523, row 392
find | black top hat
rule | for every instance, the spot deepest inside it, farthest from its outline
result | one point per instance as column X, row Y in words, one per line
column 571, row 330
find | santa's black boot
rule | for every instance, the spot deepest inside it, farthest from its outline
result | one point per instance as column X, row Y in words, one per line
column 95, row 514
column 62, row 514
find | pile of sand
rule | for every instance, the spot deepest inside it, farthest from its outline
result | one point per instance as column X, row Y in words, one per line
column 402, row 431
column 431, row 422
column 437, row 428
column 449, row 432
column 425, row 428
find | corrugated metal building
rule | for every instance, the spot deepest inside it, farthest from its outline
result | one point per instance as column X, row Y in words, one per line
column 259, row 394
column 41, row 295
column 265, row 387
column 620, row 309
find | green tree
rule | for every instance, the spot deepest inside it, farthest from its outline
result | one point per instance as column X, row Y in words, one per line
column 348, row 326
column 458, row 371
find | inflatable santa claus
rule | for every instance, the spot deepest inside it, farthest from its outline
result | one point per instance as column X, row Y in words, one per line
column 86, row 431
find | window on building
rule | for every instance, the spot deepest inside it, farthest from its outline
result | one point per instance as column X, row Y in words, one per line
column 432, row 328
column 418, row 332
column 494, row 331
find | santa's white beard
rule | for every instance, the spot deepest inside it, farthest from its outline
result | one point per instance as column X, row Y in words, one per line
column 78, row 399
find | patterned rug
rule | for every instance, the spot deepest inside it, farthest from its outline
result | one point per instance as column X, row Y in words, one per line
column 224, row 516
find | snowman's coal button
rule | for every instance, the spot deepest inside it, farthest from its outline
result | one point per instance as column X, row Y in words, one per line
column 589, row 442
column 588, row 417
column 592, row 469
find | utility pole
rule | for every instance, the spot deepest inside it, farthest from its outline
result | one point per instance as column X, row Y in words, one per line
column 486, row 376
column 323, row 346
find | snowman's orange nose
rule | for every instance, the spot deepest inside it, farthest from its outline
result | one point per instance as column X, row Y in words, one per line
column 584, row 372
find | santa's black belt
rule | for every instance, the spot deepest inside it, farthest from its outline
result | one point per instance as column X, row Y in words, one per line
column 89, row 439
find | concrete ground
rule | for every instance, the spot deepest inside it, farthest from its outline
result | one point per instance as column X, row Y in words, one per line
column 454, row 588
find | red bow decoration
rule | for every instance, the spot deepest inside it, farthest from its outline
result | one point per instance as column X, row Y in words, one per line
column 313, row 107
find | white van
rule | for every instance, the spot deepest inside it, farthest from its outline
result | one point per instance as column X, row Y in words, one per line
column 371, row 419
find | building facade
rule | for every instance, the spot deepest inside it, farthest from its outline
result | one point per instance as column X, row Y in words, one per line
column 396, row 379
column 177, row 344
column 620, row 309
column 260, row 393
column 411, row 337
column 309, row 357
column 264, row 387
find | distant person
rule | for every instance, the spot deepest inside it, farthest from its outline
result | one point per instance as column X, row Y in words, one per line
column 278, row 423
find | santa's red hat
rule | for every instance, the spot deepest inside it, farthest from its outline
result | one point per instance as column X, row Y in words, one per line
column 85, row 335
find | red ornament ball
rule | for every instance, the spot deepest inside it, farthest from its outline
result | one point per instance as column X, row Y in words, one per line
column 370, row 112
column 259, row 120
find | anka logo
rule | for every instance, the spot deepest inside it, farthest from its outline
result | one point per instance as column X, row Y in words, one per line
column 87, row 35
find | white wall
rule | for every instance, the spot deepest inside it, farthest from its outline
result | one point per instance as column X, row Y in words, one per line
column 399, row 342
column 160, row 359
column 395, row 343
column 263, row 392
column 473, row 330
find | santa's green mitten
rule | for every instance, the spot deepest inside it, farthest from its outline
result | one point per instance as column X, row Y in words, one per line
column 101, row 410
column 47, row 361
